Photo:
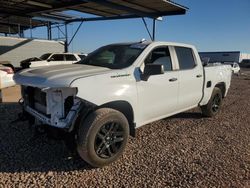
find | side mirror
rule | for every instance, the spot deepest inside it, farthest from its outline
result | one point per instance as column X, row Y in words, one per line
column 152, row 69
column 205, row 61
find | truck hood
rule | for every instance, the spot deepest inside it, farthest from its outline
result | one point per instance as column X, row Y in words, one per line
column 56, row 76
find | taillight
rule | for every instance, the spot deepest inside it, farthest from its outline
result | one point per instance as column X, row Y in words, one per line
column 7, row 69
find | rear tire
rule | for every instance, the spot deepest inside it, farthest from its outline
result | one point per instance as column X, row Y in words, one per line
column 102, row 137
column 213, row 106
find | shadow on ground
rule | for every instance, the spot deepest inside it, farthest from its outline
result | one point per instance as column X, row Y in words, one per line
column 21, row 150
column 188, row 115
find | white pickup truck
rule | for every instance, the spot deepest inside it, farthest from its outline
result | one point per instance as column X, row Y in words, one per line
column 118, row 88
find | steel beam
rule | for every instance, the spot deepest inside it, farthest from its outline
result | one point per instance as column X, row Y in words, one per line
column 65, row 5
column 66, row 49
column 13, row 24
column 146, row 26
column 154, row 28
column 14, row 27
column 49, row 31
column 75, row 33
column 122, row 7
column 59, row 29
column 169, row 13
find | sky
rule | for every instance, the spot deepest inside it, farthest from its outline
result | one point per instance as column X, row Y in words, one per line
column 210, row 25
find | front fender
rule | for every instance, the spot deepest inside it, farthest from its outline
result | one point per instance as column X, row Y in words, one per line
column 103, row 89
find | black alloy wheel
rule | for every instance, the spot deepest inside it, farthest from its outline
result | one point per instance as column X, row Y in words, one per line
column 109, row 140
column 213, row 106
column 216, row 103
column 102, row 137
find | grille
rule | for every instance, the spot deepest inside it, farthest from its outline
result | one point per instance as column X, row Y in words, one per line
column 40, row 97
column 36, row 99
column 68, row 105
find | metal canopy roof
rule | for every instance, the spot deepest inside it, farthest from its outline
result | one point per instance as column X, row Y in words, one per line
column 131, row 8
column 16, row 15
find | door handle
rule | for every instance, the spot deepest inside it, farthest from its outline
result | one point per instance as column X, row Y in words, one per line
column 198, row 76
column 173, row 79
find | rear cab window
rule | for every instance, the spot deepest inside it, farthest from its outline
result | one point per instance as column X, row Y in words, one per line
column 70, row 57
column 185, row 58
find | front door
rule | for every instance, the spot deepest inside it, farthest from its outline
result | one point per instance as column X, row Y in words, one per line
column 158, row 97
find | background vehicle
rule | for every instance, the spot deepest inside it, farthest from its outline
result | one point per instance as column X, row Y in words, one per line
column 118, row 88
column 6, row 77
column 245, row 63
column 7, row 64
column 51, row 59
column 235, row 68
column 26, row 62
column 82, row 56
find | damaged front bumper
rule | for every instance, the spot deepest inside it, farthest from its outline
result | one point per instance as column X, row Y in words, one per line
column 57, row 107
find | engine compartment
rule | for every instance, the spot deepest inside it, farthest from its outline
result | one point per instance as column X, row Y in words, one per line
column 52, row 106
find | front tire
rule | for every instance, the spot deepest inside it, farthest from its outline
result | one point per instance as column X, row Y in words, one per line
column 102, row 137
column 212, row 108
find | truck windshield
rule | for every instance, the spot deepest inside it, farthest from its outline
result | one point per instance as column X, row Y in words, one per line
column 45, row 56
column 114, row 56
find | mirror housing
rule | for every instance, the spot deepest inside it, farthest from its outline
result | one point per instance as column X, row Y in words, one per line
column 205, row 61
column 152, row 69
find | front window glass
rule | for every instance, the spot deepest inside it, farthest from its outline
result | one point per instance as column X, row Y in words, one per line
column 160, row 56
column 114, row 56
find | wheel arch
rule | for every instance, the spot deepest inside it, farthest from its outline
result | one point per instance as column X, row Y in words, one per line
column 126, row 109
column 222, row 87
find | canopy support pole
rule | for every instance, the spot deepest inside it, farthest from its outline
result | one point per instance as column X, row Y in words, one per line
column 31, row 35
column 75, row 33
column 66, row 39
column 146, row 26
column 154, row 29
column 49, row 31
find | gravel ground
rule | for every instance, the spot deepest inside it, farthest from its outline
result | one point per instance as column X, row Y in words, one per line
column 182, row 151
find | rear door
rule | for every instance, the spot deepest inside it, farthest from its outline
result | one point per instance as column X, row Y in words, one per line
column 190, row 78
column 158, row 97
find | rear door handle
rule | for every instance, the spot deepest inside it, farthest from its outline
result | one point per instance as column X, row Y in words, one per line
column 198, row 76
column 173, row 79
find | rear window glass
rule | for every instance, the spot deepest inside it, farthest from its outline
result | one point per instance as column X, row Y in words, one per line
column 70, row 58
column 185, row 58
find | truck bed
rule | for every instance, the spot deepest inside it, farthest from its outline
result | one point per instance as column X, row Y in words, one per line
column 215, row 74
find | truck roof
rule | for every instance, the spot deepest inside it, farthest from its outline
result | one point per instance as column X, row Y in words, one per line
column 159, row 43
